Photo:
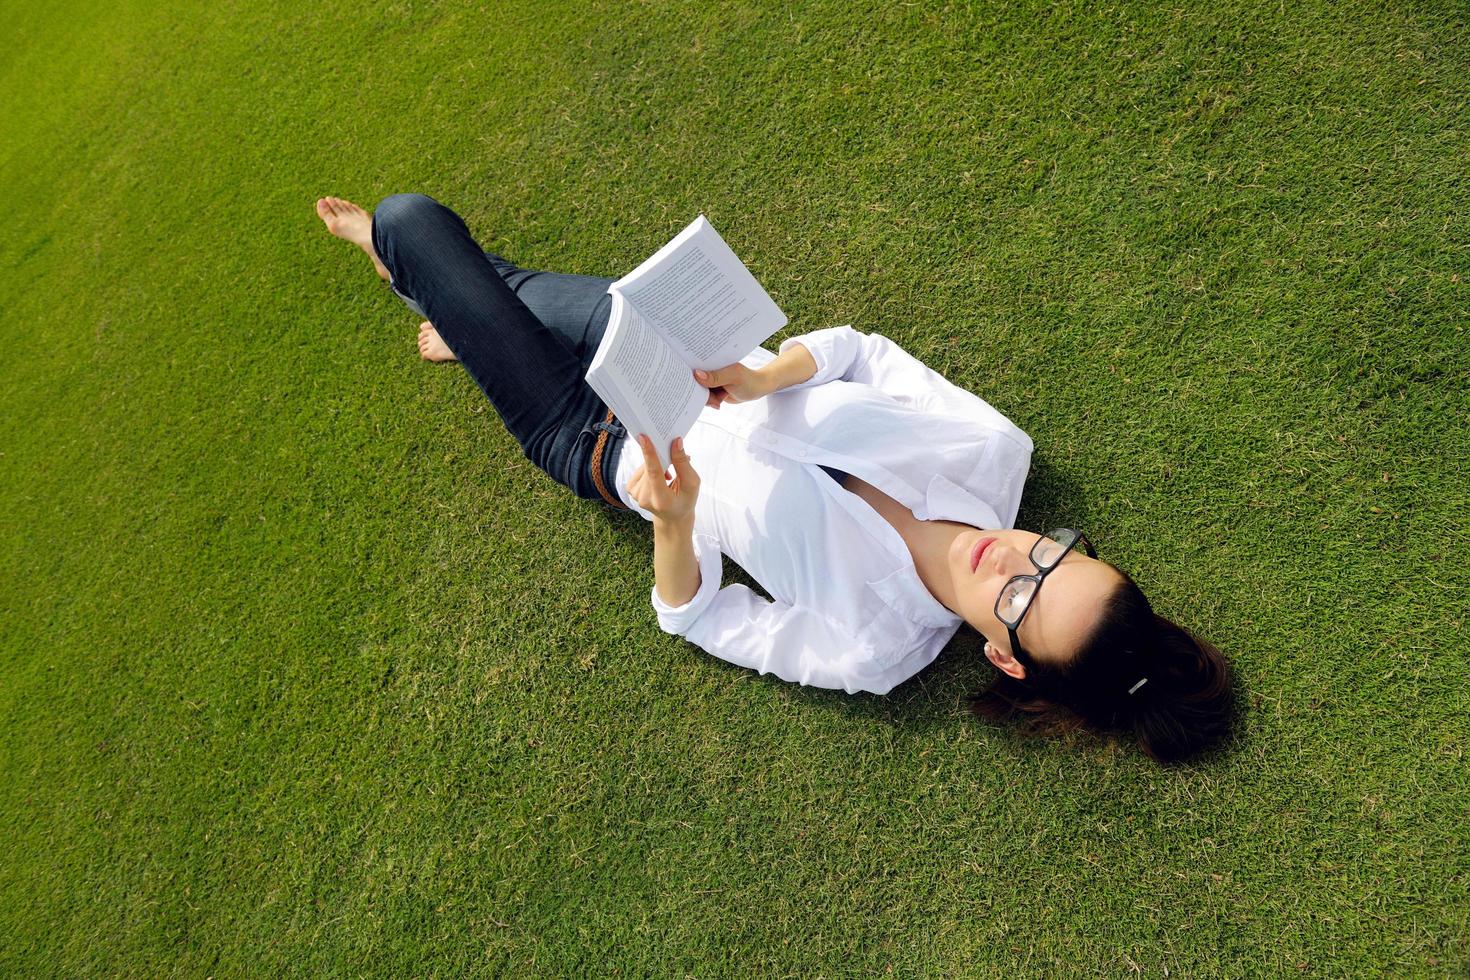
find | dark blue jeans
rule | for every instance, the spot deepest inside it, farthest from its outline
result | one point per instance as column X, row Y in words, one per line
column 525, row 337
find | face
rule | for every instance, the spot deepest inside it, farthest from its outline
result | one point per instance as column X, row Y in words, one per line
column 1063, row 614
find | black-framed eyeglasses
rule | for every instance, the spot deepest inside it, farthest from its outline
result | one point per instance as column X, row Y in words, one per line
column 1020, row 591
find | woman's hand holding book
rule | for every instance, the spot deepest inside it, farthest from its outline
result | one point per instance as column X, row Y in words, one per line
column 675, row 566
column 734, row 384
column 738, row 383
column 667, row 501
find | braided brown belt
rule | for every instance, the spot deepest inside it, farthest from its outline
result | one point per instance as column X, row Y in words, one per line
column 597, row 452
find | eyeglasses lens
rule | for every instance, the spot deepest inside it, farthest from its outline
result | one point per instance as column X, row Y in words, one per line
column 1013, row 599
column 1049, row 550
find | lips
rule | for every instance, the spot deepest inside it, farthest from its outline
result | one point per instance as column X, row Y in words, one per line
column 978, row 552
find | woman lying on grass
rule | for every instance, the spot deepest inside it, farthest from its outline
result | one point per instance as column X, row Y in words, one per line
column 871, row 498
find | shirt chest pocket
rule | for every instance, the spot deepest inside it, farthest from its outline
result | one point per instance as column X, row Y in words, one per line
column 890, row 636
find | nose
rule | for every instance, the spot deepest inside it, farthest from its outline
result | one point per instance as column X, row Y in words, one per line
column 1010, row 561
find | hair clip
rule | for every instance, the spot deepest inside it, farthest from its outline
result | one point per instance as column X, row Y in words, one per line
column 1138, row 685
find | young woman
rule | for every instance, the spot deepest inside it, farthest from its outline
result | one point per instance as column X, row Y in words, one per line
column 871, row 498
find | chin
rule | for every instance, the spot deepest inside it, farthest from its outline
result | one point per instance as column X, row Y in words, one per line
column 959, row 552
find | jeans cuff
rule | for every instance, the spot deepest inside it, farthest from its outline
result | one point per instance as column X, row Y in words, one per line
column 407, row 301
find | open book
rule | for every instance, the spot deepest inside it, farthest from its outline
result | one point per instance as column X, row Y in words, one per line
column 692, row 304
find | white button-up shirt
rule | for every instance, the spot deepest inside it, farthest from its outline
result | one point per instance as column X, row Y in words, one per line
column 847, row 608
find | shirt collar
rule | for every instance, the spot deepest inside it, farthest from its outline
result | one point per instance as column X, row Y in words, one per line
column 948, row 501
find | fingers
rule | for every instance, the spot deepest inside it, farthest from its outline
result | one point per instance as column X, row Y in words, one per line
column 650, row 457
column 637, row 491
column 720, row 376
column 683, row 469
column 658, row 495
column 651, row 462
column 721, row 380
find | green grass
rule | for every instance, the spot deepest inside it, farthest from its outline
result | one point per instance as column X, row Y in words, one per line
column 306, row 669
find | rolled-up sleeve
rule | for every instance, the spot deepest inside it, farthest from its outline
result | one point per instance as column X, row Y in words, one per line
column 678, row 619
column 835, row 349
column 795, row 643
column 845, row 354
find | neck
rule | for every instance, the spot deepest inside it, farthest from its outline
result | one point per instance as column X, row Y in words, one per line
column 929, row 543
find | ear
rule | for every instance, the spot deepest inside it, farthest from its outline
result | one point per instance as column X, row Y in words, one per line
column 1004, row 662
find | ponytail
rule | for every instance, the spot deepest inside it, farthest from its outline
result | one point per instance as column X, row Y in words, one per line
column 1192, row 703
column 1181, row 702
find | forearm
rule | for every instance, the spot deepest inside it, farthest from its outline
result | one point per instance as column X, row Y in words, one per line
column 792, row 366
column 675, row 568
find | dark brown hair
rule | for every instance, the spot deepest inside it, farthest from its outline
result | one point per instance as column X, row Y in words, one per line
column 1186, row 706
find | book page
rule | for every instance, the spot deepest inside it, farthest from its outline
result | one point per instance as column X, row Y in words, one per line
column 648, row 387
column 702, row 299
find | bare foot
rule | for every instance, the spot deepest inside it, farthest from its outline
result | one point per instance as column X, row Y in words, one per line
column 432, row 346
column 350, row 223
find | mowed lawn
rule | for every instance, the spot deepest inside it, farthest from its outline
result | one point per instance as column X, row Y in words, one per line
column 304, row 669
